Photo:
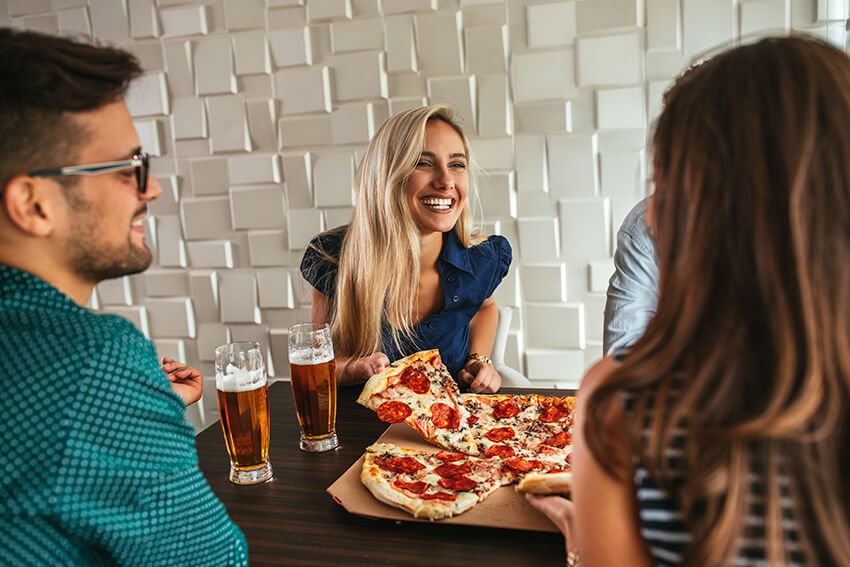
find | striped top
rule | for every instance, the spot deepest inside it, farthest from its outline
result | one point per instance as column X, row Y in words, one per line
column 662, row 524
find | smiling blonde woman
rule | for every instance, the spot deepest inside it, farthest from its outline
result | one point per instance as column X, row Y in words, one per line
column 408, row 273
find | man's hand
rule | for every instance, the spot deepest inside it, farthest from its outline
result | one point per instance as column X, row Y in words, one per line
column 480, row 377
column 187, row 382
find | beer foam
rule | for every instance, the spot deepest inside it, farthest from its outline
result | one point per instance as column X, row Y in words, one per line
column 240, row 380
column 308, row 356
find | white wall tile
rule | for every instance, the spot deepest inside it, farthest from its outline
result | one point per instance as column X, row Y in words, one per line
column 203, row 286
column 143, row 20
column 531, row 163
column 109, row 20
column 163, row 283
column 291, row 47
column 251, row 53
column 116, row 291
column 205, row 217
column 171, row 317
column 486, row 49
column 254, row 168
column 210, row 336
column 257, row 207
column 610, row 60
column 150, row 136
column 543, row 75
column 544, row 282
column 239, row 301
column 707, row 24
column 572, row 161
column 552, row 24
column 497, row 192
column 585, row 229
column 298, row 175
column 303, row 89
column 214, row 66
column 318, row 10
column 663, row 24
column 599, row 272
column 244, row 14
column 275, row 288
column 262, row 122
column 609, row 14
column 148, row 95
column 136, row 314
column 74, row 20
column 172, row 348
column 268, row 248
column 623, row 180
column 404, row 6
column 359, row 75
column 495, row 113
column 357, row 35
column 764, row 15
column 333, row 175
column 297, row 131
column 183, row 21
column 538, row 239
column 211, row 254
column 400, row 43
column 554, row 325
column 564, row 366
column 209, row 176
column 180, row 67
column 189, row 118
column 171, row 250
column 303, row 224
column 27, row 7
column 543, row 117
column 457, row 91
column 438, row 43
column 620, row 109
column 228, row 124
column 353, row 123
column 493, row 153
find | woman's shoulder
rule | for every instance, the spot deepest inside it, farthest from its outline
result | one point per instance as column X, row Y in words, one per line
column 494, row 246
column 329, row 241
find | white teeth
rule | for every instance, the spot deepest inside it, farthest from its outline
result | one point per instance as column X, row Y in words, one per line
column 139, row 222
column 437, row 203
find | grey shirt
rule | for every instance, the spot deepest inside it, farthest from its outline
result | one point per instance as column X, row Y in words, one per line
column 633, row 289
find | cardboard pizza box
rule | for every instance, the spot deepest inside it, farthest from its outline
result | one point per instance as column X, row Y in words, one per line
column 504, row 508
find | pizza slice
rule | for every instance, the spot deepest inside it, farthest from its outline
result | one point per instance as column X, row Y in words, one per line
column 419, row 391
column 550, row 482
column 432, row 485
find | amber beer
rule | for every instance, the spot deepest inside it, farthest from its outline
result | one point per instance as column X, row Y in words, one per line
column 245, row 423
column 241, row 384
column 314, row 392
column 313, row 373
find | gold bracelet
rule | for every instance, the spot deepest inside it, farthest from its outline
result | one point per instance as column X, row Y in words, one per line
column 573, row 558
column 478, row 358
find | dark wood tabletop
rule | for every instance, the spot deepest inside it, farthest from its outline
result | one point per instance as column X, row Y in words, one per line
column 291, row 520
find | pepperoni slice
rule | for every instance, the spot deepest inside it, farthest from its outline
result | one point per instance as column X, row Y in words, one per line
column 414, row 487
column 471, row 420
column 505, row 409
column 502, row 451
column 436, row 361
column 399, row 464
column 449, row 470
column 393, row 412
column 439, row 496
column 447, row 457
column 519, row 464
column 552, row 413
column 444, row 417
column 458, row 483
column 500, row 434
column 416, row 381
column 569, row 460
column 560, row 439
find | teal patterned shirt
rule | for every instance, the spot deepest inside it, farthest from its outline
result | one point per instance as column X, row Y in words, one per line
column 97, row 461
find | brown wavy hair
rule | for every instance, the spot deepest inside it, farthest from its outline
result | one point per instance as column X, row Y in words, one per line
column 750, row 347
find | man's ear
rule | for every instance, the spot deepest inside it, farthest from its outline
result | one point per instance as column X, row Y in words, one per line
column 27, row 203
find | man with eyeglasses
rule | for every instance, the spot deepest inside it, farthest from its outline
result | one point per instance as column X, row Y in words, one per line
column 97, row 461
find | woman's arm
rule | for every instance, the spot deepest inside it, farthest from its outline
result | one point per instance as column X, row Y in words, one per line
column 349, row 370
column 477, row 375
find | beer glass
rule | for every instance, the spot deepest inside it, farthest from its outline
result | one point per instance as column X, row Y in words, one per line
column 243, row 404
column 311, row 359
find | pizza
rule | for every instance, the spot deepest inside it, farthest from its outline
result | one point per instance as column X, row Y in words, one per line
column 432, row 485
column 527, row 435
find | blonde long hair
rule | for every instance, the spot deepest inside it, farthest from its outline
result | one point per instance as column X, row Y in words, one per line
column 379, row 262
column 750, row 347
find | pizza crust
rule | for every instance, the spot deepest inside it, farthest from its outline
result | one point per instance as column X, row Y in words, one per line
column 378, row 383
column 543, row 483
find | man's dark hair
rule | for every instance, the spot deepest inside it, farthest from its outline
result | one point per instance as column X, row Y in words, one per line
column 42, row 79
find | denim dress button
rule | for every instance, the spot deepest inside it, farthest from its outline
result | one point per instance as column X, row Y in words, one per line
column 455, row 299
column 432, row 324
column 451, row 278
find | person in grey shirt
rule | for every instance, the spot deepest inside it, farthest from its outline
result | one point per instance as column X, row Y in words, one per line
column 633, row 289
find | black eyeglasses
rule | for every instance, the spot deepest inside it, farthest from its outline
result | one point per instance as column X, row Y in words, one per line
column 140, row 162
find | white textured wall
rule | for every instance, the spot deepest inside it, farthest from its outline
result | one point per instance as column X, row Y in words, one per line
column 258, row 111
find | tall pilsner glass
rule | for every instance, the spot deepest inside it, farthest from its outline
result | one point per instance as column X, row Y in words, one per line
column 243, row 403
column 311, row 359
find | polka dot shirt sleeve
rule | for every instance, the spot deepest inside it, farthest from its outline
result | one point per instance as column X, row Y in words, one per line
column 129, row 482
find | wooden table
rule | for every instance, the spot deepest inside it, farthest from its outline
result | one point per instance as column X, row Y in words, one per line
column 293, row 521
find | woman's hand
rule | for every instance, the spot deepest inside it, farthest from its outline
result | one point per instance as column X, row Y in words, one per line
column 187, row 382
column 480, row 377
column 560, row 511
column 358, row 370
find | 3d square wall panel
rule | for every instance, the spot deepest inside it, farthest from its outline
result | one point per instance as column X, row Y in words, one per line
column 544, row 282
column 438, row 43
column 27, row 7
column 404, row 6
column 621, row 109
column 768, row 15
column 183, row 20
column 318, row 10
column 209, row 176
column 541, row 319
column 357, row 35
column 338, row 216
column 238, row 292
column 109, row 20
column 597, row 67
column 262, row 121
column 486, row 49
column 531, row 163
column 599, row 272
column 211, row 254
column 149, row 53
column 268, row 248
column 543, row 75
column 291, row 47
column 608, row 14
column 179, row 65
column 353, row 123
column 257, row 207
column 333, row 174
column 137, row 315
column 585, row 229
column 706, row 24
column 228, row 124
column 297, row 131
column 623, row 179
column 495, row 116
column 493, row 153
column 360, row 75
column 172, row 348
column 171, row 317
column 254, row 168
column 562, row 366
column 538, row 239
column 400, row 43
column 150, row 136
column 210, row 336
column 303, row 89
column 143, row 20
column 171, row 250
column 298, row 175
column 205, row 217
column 303, row 225
column 168, row 202
column 74, row 20
column 189, row 118
column 115, row 292
column 663, row 27
column 148, row 95
column 457, row 91
column 543, row 117
column 214, row 66
column 498, row 194
column 536, row 204
column 244, row 14
column 572, row 165
column 203, row 285
column 551, row 25
column 164, row 283
column 251, row 51
column 275, row 288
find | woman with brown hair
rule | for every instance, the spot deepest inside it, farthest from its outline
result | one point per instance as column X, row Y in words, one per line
column 722, row 437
